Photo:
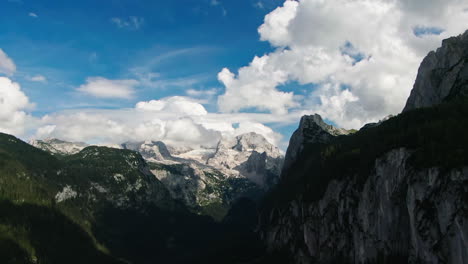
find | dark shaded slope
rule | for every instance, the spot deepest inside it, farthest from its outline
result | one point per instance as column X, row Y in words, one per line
column 437, row 136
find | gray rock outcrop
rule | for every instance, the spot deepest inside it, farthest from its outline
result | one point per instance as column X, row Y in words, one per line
column 57, row 146
column 443, row 74
column 248, row 156
column 400, row 214
column 150, row 150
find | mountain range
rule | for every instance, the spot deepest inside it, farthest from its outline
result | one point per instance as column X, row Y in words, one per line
column 205, row 180
column 395, row 191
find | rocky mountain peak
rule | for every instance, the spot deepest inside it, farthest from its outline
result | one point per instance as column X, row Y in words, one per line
column 249, row 156
column 150, row 150
column 443, row 74
column 57, row 146
column 312, row 129
column 249, row 142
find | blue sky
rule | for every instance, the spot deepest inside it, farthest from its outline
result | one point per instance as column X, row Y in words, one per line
column 186, row 43
column 69, row 41
column 196, row 70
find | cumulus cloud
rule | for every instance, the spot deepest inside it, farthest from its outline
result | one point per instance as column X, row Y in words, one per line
column 7, row 66
column 105, row 88
column 13, row 103
column 31, row 14
column 360, row 71
column 131, row 23
column 170, row 120
column 177, row 105
column 254, row 86
column 178, row 121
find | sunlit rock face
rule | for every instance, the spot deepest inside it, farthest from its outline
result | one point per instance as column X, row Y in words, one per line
column 248, row 156
column 150, row 150
column 57, row 146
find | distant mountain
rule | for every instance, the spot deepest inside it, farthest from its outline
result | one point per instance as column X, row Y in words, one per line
column 393, row 192
column 155, row 151
column 248, row 156
column 209, row 180
column 57, row 146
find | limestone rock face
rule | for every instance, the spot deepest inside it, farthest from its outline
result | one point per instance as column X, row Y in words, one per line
column 57, row 146
column 443, row 74
column 249, row 156
column 312, row 129
column 150, row 150
column 419, row 216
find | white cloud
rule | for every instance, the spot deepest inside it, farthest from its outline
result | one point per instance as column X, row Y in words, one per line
column 215, row 3
column 204, row 96
column 13, row 102
column 131, row 23
column 105, row 88
column 177, row 105
column 7, row 66
column 31, row 14
column 254, row 86
column 275, row 27
column 361, row 71
column 38, row 78
column 170, row 120
column 178, row 121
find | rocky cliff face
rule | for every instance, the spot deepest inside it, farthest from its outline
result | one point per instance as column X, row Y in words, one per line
column 311, row 129
column 398, row 215
column 151, row 150
column 243, row 166
column 442, row 74
column 248, row 156
column 395, row 192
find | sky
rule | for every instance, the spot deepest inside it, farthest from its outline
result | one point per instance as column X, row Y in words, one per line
column 189, row 72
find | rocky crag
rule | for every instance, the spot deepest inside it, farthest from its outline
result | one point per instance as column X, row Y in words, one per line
column 396, row 192
column 443, row 74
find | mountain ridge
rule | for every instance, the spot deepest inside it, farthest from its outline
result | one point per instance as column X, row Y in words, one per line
column 390, row 193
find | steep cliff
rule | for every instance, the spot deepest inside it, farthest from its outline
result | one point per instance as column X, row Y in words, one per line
column 443, row 74
column 396, row 192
